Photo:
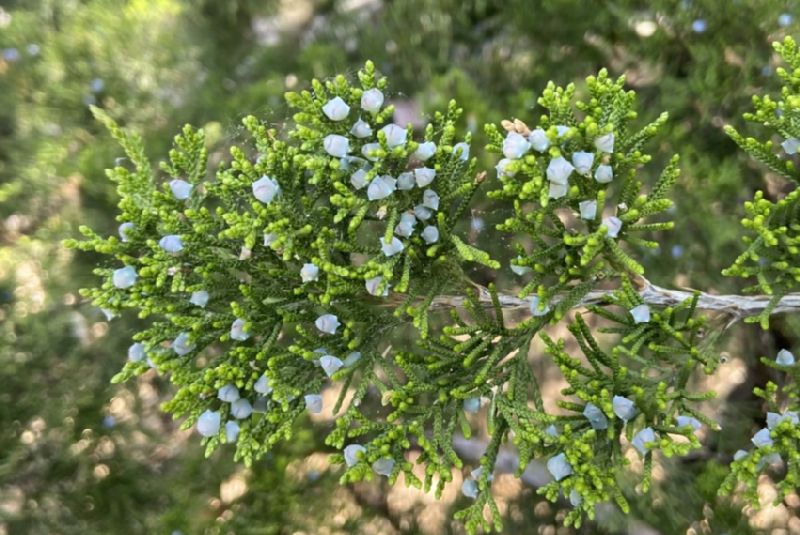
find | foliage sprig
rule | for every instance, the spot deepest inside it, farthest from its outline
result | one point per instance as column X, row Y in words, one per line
column 310, row 261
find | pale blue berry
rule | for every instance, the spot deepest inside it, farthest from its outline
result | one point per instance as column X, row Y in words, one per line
column 395, row 135
column 182, row 345
column 262, row 386
column 136, row 352
column 336, row 145
column 241, row 408
column 430, row 234
column 392, row 248
column 352, row 453
column 208, row 423
column 424, row 176
column 124, row 278
column 613, row 226
column 774, row 419
column 604, row 174
column 265, row 189
column 785, row 358
column 791, row 145
column 238, row 331
column 624, row 408
column 425, row 151
column 313, row 403
column 642, row 439
column 461, row 150
column 330, row 364
column 372, row 100
column 558, row 170
column 359, row 179
column 336, row 109
column 597, row 418
column 371, row 151
column 309, row 272
column 383, row 466
column 559, row 467
column 557, row 191
column 406, row 181
column 199, row 298
column 228, row 393
column 472, row 405
column 124, row 229
column 520, row 270
column 582, row 161
column 422, row 212
column 373, row 285
column 505, row 168
column 538, row 308
column 605, row 143
column 327, row 323
column 640, row 314
column 588, row 209
column 406, row 225
column 539, row 140
column 181, row 189
column 231, row 431
column 699, row 25
column 691, row 421
column 430, row 199
column 171, row 243
column 469, row 488
column 352, row 358
column 361, row 129
column 515, row 146
column 762, row 438
column 381, row 187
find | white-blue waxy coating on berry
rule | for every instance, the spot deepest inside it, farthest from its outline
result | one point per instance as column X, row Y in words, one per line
column 124, row 278
column 228, row 393
column 392, row 248
column 265, row 189
column 336, row 109
column 372, row 100
column 327, row 323
column 238, row 331
column 395, row 134
column 559, row 467
column 336, row 145
column 558, row 170
column 208, row 423
column 381, row 187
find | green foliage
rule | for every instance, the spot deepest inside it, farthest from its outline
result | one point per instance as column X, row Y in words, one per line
column 571, row 259
column 637, row 389
column 773, row 244
column 169, row 62
column 248, row 254
column 773, row 226
column 776, row 444
column 330, row 256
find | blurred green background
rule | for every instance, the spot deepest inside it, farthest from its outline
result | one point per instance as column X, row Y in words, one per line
column 78, row 455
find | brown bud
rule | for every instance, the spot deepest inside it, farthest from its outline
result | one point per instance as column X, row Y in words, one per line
column 521, row 128
column 640, row 283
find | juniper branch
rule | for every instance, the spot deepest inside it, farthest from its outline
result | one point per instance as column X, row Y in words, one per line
column 736, row 306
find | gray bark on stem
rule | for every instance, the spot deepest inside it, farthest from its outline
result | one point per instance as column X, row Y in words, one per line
column 737, row 306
